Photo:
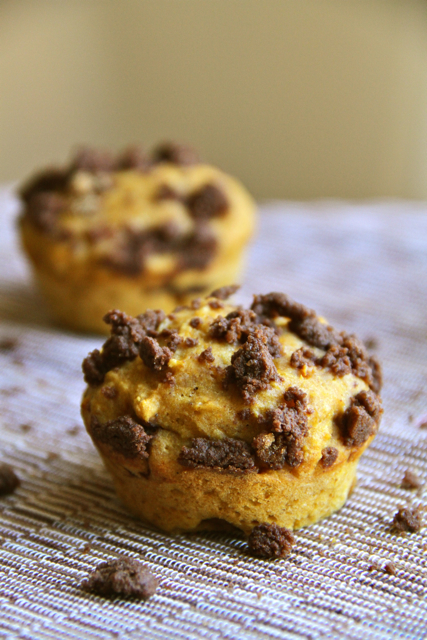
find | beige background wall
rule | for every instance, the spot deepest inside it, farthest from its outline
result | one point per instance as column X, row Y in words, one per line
column 300, row 98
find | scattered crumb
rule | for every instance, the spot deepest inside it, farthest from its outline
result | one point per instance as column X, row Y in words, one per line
column 25, row 427
column 423, row 424
column 52, row 455
column 270, row 541
column 408, row 519
column 390, row 568
column 410, row 480
column 8, row 344
column 86, row 548
column 371, row 343
column 73, row 431
column 9, row 481
column 121, row 576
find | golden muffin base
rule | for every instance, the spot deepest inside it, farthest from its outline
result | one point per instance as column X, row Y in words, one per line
column 160, row 490
column 177, row 500
column 72, row 269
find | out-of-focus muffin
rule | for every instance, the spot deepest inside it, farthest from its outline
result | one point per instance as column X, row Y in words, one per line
column 216, row 415
column 133, row 232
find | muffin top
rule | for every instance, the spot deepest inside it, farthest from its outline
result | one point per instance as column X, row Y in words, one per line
column 270, row 387
column 135, row 212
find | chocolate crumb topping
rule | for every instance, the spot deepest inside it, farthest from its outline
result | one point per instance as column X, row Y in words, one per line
column 175, row 153
column 121, row 577
column 123, row 434
column 284, row 430
column 44, row 182
column 92, row 160
column 410, row 480
column 43, row 209
column 166, row 192
column 206, row 356
column 133, row 157
column 408, row 519
column 215, row 304
column 223, row 293
column 208, row 202
column 361, row 419
column 270, row 541
column 252, row 368
column 195, row 322
column 191, row 342
column 329, row 456
column 109, row 392
column 237, row 326
column 9, row 481
column 199, row 248
column 153, row 355
column 344, row 352
column 227, row 454
column 303, row 357
column 122, row 345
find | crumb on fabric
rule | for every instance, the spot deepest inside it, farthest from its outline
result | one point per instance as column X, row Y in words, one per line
column 9, row 481
column 123, row 576
column 408, row 519
column 410, row 480
column 270, row 541
column 8, row 344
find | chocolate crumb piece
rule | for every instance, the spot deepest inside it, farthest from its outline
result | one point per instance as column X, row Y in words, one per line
column 122, row 345
column 303, row 357
column 223, row 293
column 208, row 202
column 92, row 160
column 133, row 157
column 196, row 303
column 408, row 519
column 252, row 367
column 25, row 427
column 47, row 181
column 329, row 456
column 206, row 356
column 9, row 481
column 165, row 192
column 270, row 541
column 371, row 343
column 227, row 454
column 281, row 441
column 361, row 419
column 344, row 353
column 153, row 355
column 215, row 304
column 123, row 576
column 124, row 435
column 74, row 431
column 191, row 342
column 109, row 392
column 195, row 322
column 8, row 344
column 390, row 568
column 410, row 480
column 175, row 153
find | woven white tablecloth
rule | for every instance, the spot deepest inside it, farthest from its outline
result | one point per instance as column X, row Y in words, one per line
column 364, row 267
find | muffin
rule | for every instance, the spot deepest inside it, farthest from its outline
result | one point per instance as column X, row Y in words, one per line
column 132, row 232
column 216, row 415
